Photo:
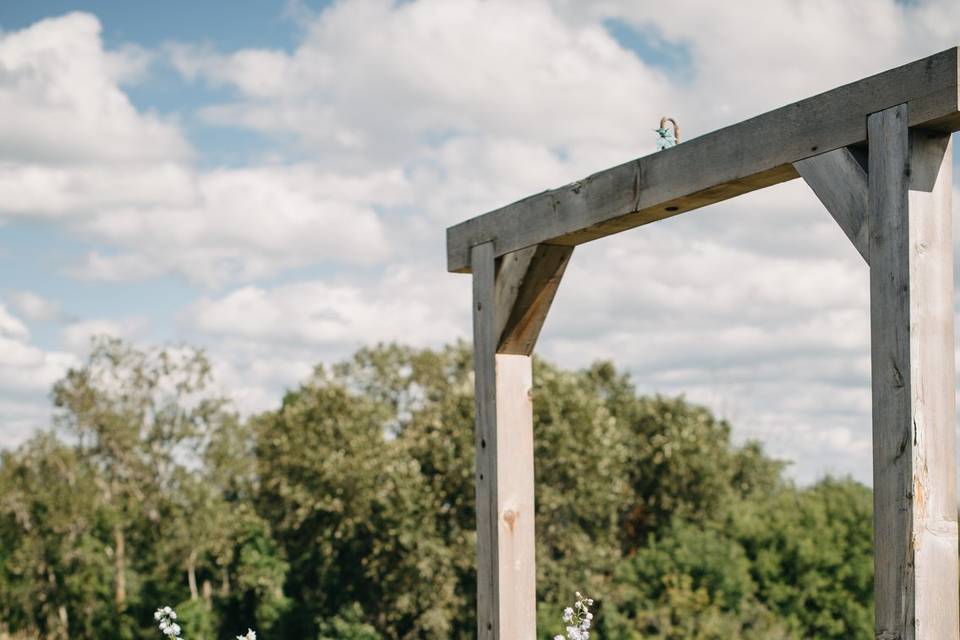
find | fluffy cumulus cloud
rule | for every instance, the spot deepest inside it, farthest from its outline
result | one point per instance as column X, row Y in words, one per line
column 26, row 374
column 34, row 307
column 247, row 223
column 372, row 79
column 61, row 101
column 75, row 151
column 403, row 305
column 29, row 368
column 266, row 339
column 391, row 120
column 757, row 307
column 78, row 336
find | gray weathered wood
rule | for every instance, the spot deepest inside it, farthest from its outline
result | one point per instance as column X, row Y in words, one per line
column 743, row 157
column 840, row 182
column 485, row 371
column 906, row 237
column 527, row 281
column 911, row 292
column 506, row 567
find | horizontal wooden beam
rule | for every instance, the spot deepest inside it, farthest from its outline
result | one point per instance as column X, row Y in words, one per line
column 750, row 155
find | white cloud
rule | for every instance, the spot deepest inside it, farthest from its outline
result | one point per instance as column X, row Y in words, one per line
column 77, row 337
column 79, row 193
column 767, row 53
column 74, row 149
column 266, row 340
column 11, row 328
column 61, row 102
column 404, row 306
column 27, row 373
column 416, row 115
column 249, row 223
column 371, row 79
column 757, row 306
column 35, row 307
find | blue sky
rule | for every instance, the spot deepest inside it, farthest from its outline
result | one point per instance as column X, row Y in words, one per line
column 39, row 252
column 256, row 23
column 271, row 181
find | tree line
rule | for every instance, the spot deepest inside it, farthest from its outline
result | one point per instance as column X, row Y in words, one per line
column 348, row 511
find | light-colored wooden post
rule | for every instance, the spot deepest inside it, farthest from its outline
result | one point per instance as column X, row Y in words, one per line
column 911, row 313
column 511, row 297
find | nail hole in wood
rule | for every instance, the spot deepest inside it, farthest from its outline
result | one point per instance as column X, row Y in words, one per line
column 814, row 148
column 673, row 208
column 483, row 443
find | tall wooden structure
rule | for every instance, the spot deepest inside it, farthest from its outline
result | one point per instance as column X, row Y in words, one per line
column 878, row 155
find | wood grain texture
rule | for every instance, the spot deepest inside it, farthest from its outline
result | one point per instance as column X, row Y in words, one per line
column 912, row 348
column 485, row 382
column 506, row 566
column 515, row 535
column 527, row 281
column 740, row 158
column 840, row 182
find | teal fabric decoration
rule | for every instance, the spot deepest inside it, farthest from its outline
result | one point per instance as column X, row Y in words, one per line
column 665, row 138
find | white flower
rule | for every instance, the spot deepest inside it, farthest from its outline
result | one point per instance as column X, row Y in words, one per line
column 578, row 619
column 250, row 635
column 165, row 617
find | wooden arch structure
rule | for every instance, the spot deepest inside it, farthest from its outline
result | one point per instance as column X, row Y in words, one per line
column 877, row 153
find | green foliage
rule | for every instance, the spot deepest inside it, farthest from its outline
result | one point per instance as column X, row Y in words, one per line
column 366, row 474
column 56, row 566
column 348, row 625
column 812, row 557
column 197, row 618
column 348, row 512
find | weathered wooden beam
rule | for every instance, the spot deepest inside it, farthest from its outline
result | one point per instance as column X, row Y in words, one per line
column 743, row 157
column 840, row 182
column 912, row 349
column 506, row 568
column 527, row 281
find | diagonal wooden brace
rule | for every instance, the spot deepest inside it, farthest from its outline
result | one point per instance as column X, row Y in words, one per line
column 840, row 181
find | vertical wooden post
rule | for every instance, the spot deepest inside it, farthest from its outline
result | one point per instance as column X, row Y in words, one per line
column 515, row 525
column 485, row 475
column 506, row 569
column 511, row 298
column 911, row 317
